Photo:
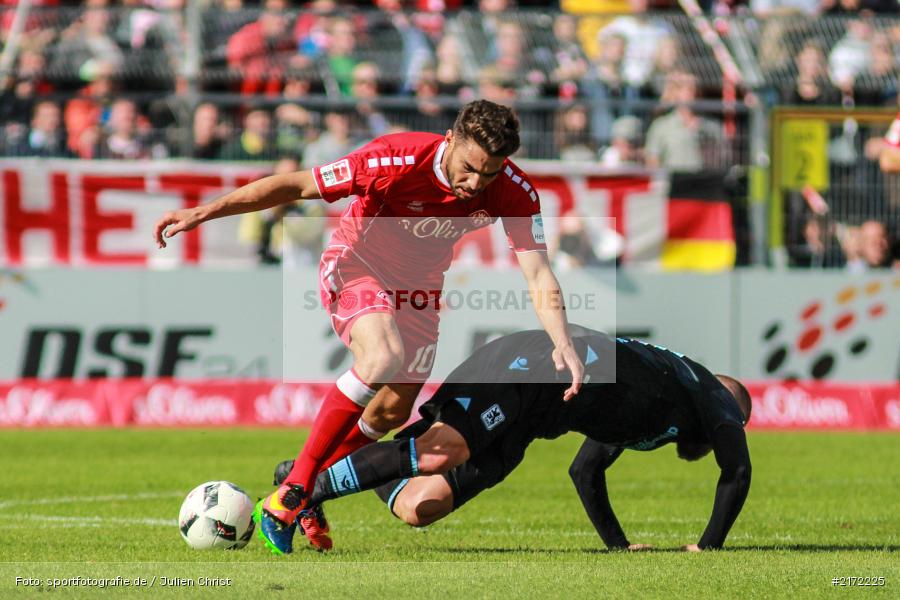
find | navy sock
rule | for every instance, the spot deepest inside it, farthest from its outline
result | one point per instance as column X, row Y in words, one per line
column 366, row 469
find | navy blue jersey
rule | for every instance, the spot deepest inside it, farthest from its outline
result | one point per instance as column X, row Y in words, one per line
column 658, row 396
column 635, row 394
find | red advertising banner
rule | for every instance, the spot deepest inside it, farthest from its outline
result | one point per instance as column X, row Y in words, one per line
column 180, row 403
column 814, row 405
column 101, row 213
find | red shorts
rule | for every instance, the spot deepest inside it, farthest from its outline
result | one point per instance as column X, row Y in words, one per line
column 350, row 288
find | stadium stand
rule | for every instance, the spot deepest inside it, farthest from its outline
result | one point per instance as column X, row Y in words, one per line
column 235, row 80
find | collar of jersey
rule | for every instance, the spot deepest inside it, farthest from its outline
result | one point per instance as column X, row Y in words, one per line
column 438, row 156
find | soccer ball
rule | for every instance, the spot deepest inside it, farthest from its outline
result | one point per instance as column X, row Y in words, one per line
column 216, row 514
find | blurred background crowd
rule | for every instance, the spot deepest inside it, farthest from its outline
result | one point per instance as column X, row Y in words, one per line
column 618, row 83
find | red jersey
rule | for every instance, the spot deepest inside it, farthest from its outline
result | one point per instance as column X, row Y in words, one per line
column 405, row 219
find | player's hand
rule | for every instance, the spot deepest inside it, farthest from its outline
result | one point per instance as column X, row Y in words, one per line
column 692, row 548
column 565, row 357
column 176, row 221
column 639, row 547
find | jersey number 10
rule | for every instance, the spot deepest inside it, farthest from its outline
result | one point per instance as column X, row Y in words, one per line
column 424, row 359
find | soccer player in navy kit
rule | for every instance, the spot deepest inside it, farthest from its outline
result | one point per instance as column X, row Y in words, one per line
column 473, row 435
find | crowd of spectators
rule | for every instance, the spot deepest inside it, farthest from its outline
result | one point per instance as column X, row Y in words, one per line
column 856, row 248
column 626, row 85
column 849, row 60
column 309, row 81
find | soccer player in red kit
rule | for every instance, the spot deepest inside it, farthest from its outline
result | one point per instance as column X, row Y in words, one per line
column 416, row 194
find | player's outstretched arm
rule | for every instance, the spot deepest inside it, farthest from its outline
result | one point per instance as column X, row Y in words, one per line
column 733, row 458
column 259, row 195
column 588, row 472
column 550, row 308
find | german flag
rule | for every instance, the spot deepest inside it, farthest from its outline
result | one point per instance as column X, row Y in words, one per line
column 699, row 230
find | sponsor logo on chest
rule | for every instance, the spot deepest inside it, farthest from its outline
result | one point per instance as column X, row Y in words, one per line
column 447, row 228
column 653, row 443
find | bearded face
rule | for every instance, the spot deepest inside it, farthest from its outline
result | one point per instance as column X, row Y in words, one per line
column 469, row 168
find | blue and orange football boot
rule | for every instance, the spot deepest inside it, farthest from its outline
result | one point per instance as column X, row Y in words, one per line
column 276, row 515
column 311, row 521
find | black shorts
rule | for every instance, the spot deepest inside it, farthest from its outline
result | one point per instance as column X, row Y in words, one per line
column 487, row 469
column 481, row 412
column 489, row 417
column 481, row 472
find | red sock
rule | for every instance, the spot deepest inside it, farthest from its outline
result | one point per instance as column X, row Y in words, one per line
column 356, row 439
column 340, row 411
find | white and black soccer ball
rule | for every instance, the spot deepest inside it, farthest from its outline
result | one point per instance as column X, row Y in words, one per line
column 216, row 514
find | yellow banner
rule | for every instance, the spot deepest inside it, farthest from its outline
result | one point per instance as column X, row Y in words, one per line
column 805, row 151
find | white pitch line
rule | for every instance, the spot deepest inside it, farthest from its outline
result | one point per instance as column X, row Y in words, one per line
column 95, row 521
column 87, row 499
column 92, row 521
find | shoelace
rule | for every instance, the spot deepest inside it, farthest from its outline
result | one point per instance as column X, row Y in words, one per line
column 294, row 497
column 315, row 513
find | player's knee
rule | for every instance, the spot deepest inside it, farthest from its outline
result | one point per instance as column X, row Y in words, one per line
column 427, row 513
column 405, row 509
column 405, row 512
column 380, row 365
column 421, row 509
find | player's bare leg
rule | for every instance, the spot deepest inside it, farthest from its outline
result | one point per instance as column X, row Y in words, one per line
column 423, row 500
column 440, row 449
column 390, row 408
column 378, row 354
column 411, row 460
column 435, row 452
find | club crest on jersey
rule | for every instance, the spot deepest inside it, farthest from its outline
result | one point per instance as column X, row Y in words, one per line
column 335, row 173
column 492, row 417
column 480, row 218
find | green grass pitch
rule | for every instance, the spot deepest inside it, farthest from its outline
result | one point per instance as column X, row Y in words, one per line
column 104, row 503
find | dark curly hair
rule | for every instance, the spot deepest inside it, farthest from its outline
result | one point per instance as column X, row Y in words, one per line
column 493, row 127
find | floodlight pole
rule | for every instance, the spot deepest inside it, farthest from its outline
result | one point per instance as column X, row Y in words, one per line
column 8, row 58
column 740, row 69
column 191, row 70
